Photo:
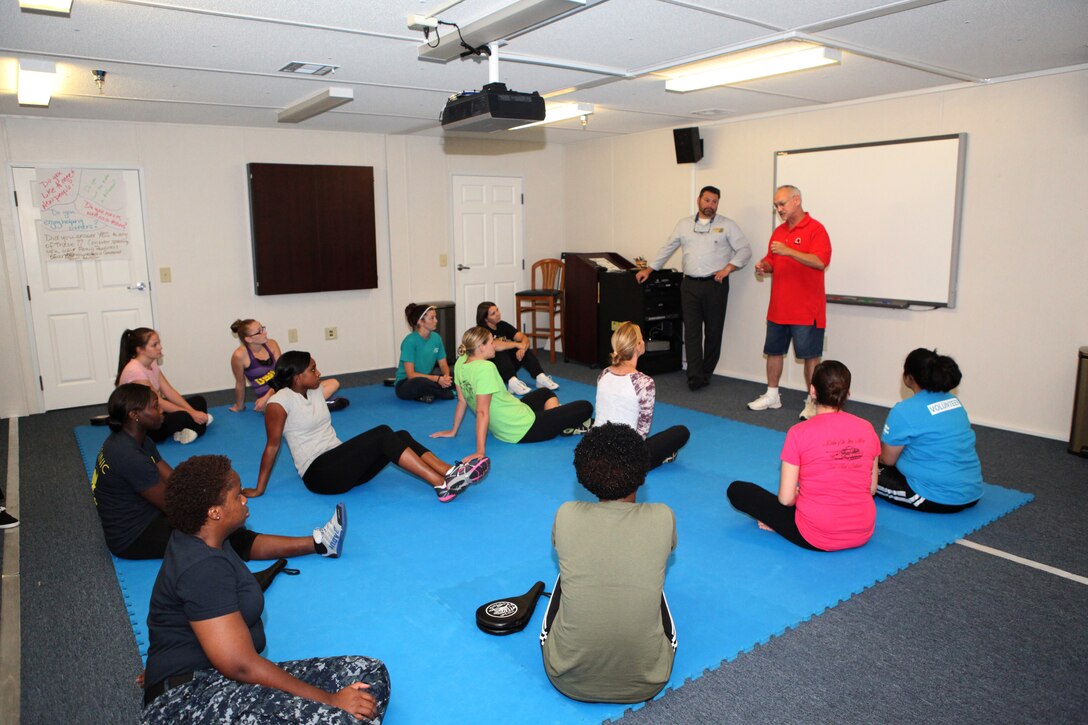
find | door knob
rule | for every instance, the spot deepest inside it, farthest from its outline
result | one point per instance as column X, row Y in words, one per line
column 461, row 266
column 138, row 286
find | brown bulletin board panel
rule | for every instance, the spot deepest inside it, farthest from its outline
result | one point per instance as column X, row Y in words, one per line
column 313, row 228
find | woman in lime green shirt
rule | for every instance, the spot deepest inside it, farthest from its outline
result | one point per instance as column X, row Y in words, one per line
column 536, row 417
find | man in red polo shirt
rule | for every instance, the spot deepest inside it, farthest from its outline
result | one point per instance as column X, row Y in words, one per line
column 798, row 254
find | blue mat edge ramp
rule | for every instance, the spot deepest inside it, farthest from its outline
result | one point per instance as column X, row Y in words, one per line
column 375, row 588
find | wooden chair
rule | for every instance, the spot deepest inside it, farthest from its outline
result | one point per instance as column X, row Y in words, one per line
column 546, row 297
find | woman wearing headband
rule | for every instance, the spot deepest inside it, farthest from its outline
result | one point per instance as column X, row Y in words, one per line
column 420, row 352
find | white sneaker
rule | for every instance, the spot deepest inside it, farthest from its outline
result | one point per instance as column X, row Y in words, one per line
column 331, row 535
column 210, row 419
column 765, row 401
column 185, row 436
column 543, row 381
column 809, row 411
column 516, row 386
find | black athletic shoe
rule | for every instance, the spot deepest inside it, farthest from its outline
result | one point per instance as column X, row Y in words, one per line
column 336, row 404
column 426, row 398
column 100, row 419
column 7, row 521
column 578, row 430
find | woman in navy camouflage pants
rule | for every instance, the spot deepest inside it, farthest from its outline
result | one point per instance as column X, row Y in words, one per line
column 206, row 634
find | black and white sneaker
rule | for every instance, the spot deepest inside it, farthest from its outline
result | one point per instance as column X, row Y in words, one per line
column 331, row 535
column 580, row 429
column 7, row 521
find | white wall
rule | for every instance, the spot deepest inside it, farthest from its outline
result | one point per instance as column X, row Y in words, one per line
column 1022, row 301
column 421, row 170
column 196, row 198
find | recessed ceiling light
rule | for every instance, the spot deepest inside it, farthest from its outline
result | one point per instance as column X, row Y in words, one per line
column 308, row 69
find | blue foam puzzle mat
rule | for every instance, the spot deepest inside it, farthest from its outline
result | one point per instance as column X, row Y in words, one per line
column 414, row 570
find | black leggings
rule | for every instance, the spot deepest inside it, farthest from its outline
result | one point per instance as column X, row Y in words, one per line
column 892, row 486
column 356, row 461
column 550, row 423
column 416, row 388
column 180, row 420
column 507, row 362
column 666, row 443
column 762, row 505
column 152, row 541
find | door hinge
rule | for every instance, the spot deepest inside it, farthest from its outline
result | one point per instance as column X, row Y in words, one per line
column 41, row 384
column 523, row 199
column 522, row 265
column 16, row 193
column 28, row 286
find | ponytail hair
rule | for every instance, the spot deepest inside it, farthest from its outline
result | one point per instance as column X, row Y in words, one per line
column 414, row 313
column 481, row 312
column 131, row 341
column 933, row 372
column 624, row 341
column 238, row 327
column 832, row 382
column 290, row 364
column 472, row 339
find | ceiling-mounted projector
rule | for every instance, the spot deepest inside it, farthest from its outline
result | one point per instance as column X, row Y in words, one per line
column 492, row 108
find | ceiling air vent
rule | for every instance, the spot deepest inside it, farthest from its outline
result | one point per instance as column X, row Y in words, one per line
column 308, row 69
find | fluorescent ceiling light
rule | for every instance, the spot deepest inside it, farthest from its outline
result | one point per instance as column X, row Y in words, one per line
column 310, row 106
column 59, row 7
column 37, row 79
column 499, row 25
column 561, row 112
column 747, row 65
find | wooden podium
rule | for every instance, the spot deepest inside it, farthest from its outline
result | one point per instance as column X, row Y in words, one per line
column 601, row 290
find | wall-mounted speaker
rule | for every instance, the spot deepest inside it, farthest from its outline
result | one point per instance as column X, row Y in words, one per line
column 689, row 147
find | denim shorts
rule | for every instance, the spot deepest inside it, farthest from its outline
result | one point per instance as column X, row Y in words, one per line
column 808, row 340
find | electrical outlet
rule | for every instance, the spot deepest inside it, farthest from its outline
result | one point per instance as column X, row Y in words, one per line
column 292, row 335
column 330, row 333
column 164, row 275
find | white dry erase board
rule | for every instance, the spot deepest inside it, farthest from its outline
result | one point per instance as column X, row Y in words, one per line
column 892, row 210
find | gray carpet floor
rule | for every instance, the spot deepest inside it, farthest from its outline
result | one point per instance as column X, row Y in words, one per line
column 961, row 637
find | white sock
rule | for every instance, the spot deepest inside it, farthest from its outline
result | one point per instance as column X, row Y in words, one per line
column 773, row 392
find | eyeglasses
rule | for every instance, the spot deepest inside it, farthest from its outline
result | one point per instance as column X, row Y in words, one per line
column 706, row 227
column 259, row 331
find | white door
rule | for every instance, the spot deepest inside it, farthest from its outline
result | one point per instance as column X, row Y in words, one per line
column 80, row 307
column 487, row 243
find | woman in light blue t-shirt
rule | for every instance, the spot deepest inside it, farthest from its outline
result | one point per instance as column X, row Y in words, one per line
column 928, row 448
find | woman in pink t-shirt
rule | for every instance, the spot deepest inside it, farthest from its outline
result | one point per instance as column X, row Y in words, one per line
column 185, row 418
column 828, row 478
